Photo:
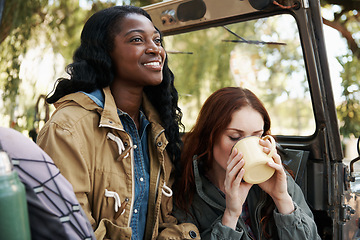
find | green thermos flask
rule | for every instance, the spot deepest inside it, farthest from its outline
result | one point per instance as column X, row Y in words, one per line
column 14, row 219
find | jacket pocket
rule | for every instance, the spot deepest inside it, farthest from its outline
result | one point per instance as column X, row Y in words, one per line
column 108, row 230
column 178, row 232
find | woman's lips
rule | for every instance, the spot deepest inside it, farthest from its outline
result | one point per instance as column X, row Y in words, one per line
column 156, row 65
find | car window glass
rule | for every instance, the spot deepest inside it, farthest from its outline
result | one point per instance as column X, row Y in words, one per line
column 263, row 55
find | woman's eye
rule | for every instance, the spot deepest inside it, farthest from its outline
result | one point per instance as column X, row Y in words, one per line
column 235, row 139
column 137, row 39
column 158, row 41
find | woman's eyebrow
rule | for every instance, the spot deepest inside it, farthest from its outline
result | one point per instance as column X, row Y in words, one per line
column 241, row 131
column 235, row 129
column 139, row 31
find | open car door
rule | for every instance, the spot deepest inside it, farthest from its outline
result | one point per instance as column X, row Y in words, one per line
column 277, row 50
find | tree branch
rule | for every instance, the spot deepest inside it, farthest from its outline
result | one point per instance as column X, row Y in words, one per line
column 346, row 34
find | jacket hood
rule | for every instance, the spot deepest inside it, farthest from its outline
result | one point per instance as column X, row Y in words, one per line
column 109, row 116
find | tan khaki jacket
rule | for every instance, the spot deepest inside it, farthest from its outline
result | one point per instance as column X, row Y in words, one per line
column 90, row 147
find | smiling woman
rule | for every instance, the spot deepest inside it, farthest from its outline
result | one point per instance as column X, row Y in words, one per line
column 115, row 132
column 138, row 58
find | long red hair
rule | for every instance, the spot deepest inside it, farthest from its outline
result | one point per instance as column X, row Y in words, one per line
column 215, row 115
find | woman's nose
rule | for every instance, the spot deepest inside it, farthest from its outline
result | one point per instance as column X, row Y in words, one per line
column 153, row 49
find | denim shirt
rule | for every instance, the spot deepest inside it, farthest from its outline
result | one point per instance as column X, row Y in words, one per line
column 141, row 172
column 141, row 165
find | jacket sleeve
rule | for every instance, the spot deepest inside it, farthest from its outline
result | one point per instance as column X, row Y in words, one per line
column 66, row 149
column 215, row 231
column 220, row 231
column 300, row 224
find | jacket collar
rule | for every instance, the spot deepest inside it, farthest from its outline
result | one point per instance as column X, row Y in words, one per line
column 206, row 190
column 109, row 116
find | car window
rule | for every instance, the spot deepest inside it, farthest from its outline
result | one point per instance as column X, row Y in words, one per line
column 264, row 55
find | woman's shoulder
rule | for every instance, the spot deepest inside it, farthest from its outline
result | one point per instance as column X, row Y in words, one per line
column 70, row 113
column 72, row 117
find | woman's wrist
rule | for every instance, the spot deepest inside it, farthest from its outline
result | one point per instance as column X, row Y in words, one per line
column 229, row 219
column 285, row 205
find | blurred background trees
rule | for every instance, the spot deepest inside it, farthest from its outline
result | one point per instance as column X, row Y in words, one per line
column 346, row 19
column 50, row 26
column 53, row 27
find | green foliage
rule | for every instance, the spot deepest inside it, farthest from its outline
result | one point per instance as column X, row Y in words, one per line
column 349, row 110
column 271, row 71
column 57, row 24
column 15, row 30
column 28, row 24
column 345, row 18
column 202, row 69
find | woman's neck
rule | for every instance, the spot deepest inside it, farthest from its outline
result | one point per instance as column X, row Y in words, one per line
column 128, row 100
column 217, row 176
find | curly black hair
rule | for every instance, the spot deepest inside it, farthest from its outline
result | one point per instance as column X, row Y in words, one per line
column 92, row 68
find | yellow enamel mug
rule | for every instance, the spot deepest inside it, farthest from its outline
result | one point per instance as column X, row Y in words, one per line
column 256, row 168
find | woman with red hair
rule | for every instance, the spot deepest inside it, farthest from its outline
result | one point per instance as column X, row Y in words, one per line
column 211, row 192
